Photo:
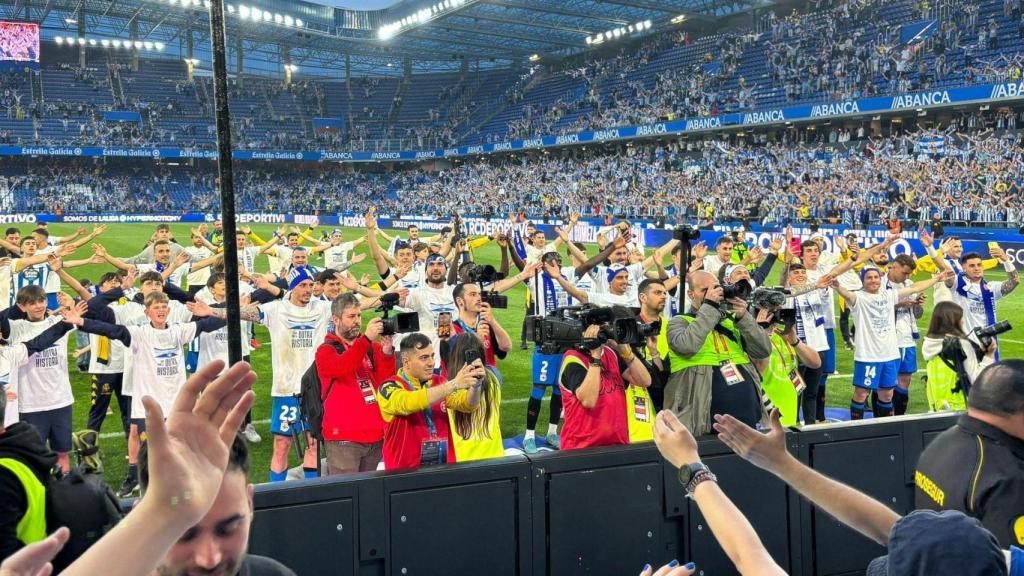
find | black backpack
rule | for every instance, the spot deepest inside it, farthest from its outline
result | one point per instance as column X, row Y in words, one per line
column 312, row 395
column 86, row 505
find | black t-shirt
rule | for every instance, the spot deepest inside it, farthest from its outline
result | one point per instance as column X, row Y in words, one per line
column 574, row 374
column 977, row 469
column 738, row 400
column 262, row 566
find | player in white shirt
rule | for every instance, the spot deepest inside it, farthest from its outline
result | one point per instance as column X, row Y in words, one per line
column 876, row 350
column 908, row 310
column 158, row 361
column 617, row 254
column 280, row 247
column 336, row 252
column 297, row 326
column 246, row 253
column 14, row 356
column 849, row 280
column 30, row 269
column 976, row 295
column 196, row 278
column 722, row 256
column 810, row 328
column 434, row 303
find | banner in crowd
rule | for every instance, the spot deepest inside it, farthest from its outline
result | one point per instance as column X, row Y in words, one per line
column 824, row 111
column 645, row 233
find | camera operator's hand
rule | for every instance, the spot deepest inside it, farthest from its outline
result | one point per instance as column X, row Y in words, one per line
column 483, row 331
column 991, row 350
column 589, row 334
column 486, row 313
column 374, row 328
column 470, row 375
column 674, row 441
column 387, row 345
column 738, row 307
column 714, row 294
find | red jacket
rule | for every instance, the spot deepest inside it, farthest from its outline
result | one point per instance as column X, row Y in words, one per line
column 350, row 412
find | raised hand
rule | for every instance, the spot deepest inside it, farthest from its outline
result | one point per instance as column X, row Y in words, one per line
column 767, row 451
column 927, row 239
column 182, row 258
column 34, row 559
column 73, row 314
column 700, row 250
column 358, row 258
column 189, row 452
column 674, row 441
column 129, row 278
column 54, row 262
column 97, row 230
column 99, row 249
column 775, row 245
column 199, row 308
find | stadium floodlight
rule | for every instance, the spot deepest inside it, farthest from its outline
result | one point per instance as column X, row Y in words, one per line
column 534, row 57
column 70, row 21
column 291, row 67
column 243, row 11
column 298, row 23
column 92, row 41
column 138, row 44
column 678, row 19
column 231, row 8
column 105, row 43
column 81, row 40
column 648, row 24
column 192, row 61
column 159, row 45
column 288, row 20
column 278, row 19
column 147, row 45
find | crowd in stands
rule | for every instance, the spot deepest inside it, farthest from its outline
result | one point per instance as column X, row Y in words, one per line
column 837, row 50
column 973, row 170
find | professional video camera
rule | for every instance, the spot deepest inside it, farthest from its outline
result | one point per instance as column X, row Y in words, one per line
column 741, row 290
column 986, row 334
column 562, row 329
column 685, row 233
column 483, row 275
column 403, row 322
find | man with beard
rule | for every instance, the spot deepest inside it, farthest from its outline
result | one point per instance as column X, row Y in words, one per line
column 352, row 365
column 217, row 544
column 297, row 324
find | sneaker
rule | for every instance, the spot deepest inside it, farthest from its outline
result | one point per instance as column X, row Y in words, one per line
column 250, row 434
column 530, row 445
column 129, row 488
column 522, row 345
column 848, row 345
column 255, row 344
column 554, row 441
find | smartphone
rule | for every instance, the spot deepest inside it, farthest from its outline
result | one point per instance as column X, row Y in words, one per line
column 471, row 356
column 993, row 246
column 444, row 325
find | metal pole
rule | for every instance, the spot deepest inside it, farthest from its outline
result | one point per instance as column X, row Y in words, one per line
column 226, row 178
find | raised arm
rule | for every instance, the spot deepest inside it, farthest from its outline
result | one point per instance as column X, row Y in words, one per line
column 730, row 527
column 601, row 256
column 55, row 264
column 768, row 451
column 513, row 281
column 96, row 232
column 922, row 285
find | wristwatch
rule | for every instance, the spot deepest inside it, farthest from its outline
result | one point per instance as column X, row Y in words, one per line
column 688, row 471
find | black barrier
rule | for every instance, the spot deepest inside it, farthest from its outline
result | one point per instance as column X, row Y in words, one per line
column 604, row 511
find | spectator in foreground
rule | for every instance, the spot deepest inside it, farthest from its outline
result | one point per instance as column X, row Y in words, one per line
column 918, row 543
column 191, row 450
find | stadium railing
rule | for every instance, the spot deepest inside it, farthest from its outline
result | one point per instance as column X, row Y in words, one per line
column 601, row 511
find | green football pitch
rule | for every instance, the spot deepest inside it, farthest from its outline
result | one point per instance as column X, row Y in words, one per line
column 129, row 239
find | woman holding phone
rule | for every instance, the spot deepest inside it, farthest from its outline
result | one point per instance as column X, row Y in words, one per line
column 476, row 435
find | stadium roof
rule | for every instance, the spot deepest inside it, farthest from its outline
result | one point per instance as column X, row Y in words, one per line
column 430, row 35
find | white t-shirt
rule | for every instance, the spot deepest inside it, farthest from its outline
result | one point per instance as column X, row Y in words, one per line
column 175, row 278
column 810, row 319
column 12, row 358
column 5, row 287
column 712, row 263
column 335, row 256
column 875, row 318
column 636, row 276
column 534, row 254
column 280, row 258
column 197, row 253
column 214, row 345
column 414, row 279
column 134, row 314
column 295, row 334
column 609, row 299
column 906, row 324
column 158, row 364
column 547, row 293
column 827, row 295
column 431, row 304
column 247, row 258
column 43, row 381
column 973, row 303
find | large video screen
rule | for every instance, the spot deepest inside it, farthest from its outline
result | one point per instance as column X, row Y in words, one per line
column 19, row 42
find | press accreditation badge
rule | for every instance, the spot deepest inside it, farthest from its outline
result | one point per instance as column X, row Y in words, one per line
column 797, row 380
column 730, row 372
column 640, row 409
column 433, row 451
column 366, row 388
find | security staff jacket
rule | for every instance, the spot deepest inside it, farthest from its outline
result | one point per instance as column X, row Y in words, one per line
column 977, row 469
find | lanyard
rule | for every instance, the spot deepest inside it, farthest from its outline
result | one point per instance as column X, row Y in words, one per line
column 787, row 359
column 427, row 415
column 716, row 338
column 465, row 327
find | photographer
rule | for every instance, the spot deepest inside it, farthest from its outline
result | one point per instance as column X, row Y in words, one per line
column 351, row 366
column 781, row 373
column 593, row 382
column 476, row 317
column 953, row 360
column 653, row 299
column 710, row 349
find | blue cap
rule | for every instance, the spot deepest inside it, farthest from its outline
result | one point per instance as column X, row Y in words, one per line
column 298, row 275
column 614, row 270
column 926, row 542
column 436, row 257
